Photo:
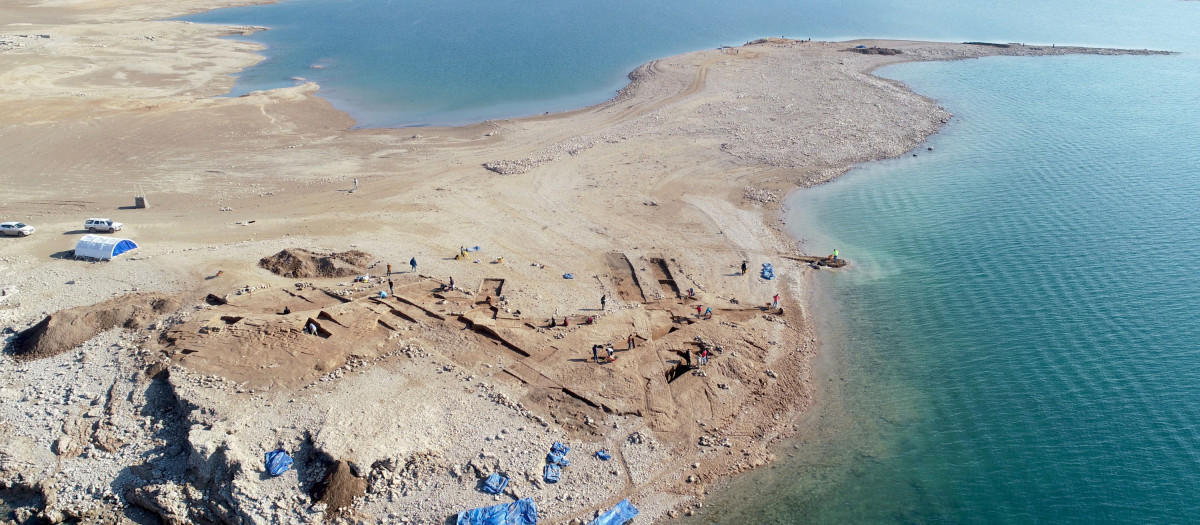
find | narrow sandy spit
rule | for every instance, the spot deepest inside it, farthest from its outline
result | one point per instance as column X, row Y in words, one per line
column 157, row 381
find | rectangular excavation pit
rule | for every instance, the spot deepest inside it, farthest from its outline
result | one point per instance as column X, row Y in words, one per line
column 491, row 288
column 493, row 335
column 325, row 316
column 677, row 371
column 623, row 277
column 326, row 334
column 658, row 267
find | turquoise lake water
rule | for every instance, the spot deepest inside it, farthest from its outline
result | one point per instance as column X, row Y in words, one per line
column 413, row 62
column 1016, row 341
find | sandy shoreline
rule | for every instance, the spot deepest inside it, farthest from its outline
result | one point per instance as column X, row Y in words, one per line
column 667, row 187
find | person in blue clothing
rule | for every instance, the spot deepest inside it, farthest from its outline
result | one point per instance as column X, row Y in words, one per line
column 413, row 262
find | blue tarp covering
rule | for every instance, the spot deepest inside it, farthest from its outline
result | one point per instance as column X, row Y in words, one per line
column 623, row 512
column 495, row 484
column 568, row 276
column 278, row 462
column 768, row 271
column 558, row 452
column 520, row 512
column 551, row 473
column 603, row 455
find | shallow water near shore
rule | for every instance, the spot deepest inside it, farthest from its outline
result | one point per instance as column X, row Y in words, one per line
column 1016, row 341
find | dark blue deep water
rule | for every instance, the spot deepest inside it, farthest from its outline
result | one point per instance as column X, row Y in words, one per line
column 1017, row 341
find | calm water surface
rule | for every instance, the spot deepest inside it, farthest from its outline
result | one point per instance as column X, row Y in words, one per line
column 1016, row 342
column 414, row 62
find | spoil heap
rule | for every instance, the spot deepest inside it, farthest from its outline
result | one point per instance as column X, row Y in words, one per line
column 301, row 263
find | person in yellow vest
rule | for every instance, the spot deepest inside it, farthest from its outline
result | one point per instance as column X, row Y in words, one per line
column 835, row 253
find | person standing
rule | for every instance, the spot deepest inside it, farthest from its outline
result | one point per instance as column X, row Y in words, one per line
column 389, row 268
column 355, row 184
column 630, row 342
column 744, row 269
column 603, row 301
column 413, row 262
column 390, row 289
column 703, row 356
column 775, row 302
column 835, row 255
column 451, row 283
column 595, row 353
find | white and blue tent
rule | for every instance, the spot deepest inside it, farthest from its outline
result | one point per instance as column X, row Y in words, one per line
column 101, row 247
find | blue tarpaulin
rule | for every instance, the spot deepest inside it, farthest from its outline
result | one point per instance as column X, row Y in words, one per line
column 623, row 512
column 495, row 484
column 520, row 512
column 768, row 271
column 551, row 473
column 604, row 456
column 278, row 462
column 558, row 453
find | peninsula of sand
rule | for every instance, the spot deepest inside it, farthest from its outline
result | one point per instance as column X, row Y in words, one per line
column 258, row 312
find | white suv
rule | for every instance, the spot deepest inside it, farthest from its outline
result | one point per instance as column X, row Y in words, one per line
column 15, row 229
column 102, row 225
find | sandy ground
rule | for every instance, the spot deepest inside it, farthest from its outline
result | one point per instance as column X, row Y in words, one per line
column 666, row 188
